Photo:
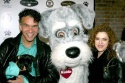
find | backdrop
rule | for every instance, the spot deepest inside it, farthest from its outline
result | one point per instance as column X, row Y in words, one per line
column 9, row 9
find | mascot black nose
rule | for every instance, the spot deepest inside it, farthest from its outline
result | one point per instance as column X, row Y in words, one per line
column 73, row 52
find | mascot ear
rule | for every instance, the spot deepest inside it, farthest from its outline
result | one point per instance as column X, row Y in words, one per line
column 44, row 24
column 116, row 46
column 85, row 14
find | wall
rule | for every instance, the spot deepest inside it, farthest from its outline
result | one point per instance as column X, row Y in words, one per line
column 107, row 11
column 112, row 12
column 9, row 9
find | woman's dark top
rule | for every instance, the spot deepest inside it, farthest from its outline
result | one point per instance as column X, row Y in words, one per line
column 102, row 70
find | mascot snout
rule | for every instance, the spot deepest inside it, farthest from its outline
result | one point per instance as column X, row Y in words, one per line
column 73, row 52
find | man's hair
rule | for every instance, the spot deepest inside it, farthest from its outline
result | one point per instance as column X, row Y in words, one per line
column 30, row 12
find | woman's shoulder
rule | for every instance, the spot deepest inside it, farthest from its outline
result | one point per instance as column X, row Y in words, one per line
column 114, row 61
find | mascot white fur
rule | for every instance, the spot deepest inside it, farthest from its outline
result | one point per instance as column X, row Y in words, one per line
column 65, row 27
column 119, row 47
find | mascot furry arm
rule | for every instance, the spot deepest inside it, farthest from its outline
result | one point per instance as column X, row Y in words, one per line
column 65, row 27
column 119, row 47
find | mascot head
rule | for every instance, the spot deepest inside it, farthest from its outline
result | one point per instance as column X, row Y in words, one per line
column 76, row 17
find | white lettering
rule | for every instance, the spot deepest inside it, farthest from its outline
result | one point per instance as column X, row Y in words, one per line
column 67, row 71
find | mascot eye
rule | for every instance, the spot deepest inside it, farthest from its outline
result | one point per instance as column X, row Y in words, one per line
column 60, row 34
column 76, row 31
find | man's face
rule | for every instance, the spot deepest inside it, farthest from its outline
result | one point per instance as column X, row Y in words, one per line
column 29, row 29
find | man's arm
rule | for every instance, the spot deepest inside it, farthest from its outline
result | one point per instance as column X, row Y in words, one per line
column 19, row 79
column 48, row 72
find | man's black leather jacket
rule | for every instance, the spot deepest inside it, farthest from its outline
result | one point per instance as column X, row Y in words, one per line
column 46, row 72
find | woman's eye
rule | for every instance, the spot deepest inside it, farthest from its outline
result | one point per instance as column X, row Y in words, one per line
column 76, row 31
column 104, row 39
column 60, row 34
column 96, row 38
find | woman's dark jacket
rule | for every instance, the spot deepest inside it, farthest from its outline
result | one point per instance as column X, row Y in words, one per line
column 102, row 70
column 46, row 72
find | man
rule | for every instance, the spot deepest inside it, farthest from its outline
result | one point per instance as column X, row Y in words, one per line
column 27, row 42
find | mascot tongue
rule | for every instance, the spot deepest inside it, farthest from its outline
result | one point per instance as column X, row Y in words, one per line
column 66, row 73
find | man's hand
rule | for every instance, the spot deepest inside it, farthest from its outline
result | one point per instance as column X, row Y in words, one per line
column 19, row 79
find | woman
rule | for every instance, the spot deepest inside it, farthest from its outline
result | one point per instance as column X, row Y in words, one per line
column 105, row 67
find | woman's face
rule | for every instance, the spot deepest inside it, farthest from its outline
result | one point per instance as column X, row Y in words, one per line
column 101, row 41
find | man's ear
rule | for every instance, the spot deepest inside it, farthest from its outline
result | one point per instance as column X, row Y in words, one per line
column 85, row 14
column 20, row 27
column 44, row 24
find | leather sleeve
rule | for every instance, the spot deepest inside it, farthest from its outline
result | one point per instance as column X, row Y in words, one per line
column 3, row 56
column 113, row 71
column 48, row 72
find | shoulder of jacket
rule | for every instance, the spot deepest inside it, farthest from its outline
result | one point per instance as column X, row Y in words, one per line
column 43, row 44
column 7, row 41
column 113, row 61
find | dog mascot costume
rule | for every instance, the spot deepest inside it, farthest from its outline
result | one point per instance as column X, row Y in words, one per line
column 65, row 27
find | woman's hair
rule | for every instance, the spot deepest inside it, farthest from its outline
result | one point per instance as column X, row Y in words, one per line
column 111, row 35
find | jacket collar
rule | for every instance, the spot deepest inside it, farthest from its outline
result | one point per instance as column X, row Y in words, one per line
column 39, row 43
column 103, row 56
